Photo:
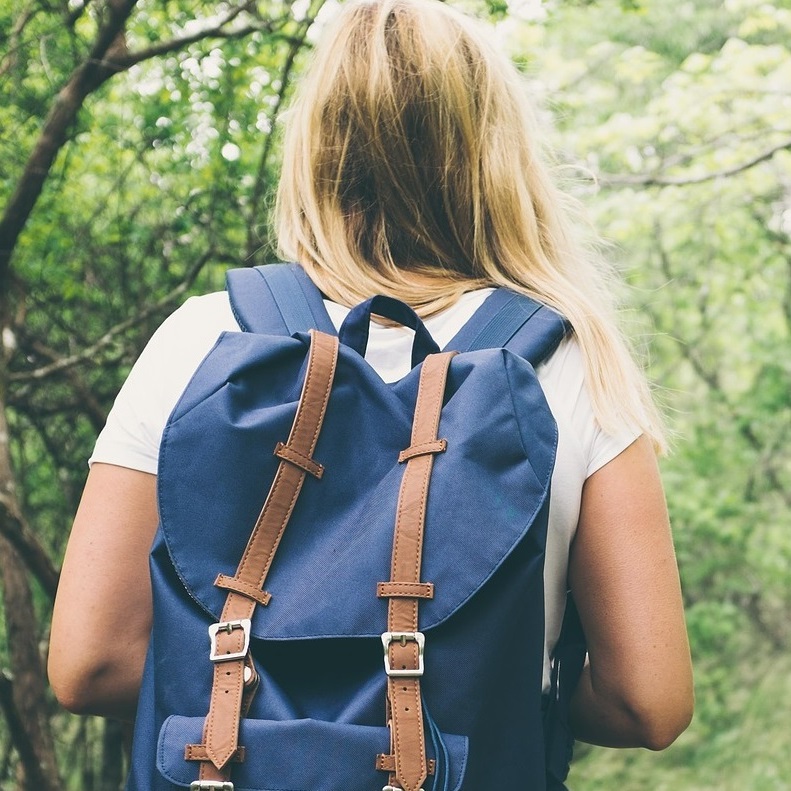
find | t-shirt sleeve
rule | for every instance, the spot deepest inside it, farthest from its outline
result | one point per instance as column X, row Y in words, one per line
column 563, row 380
column 132, row 434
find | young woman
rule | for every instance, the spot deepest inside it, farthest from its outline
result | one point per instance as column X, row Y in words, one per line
column 412, row 168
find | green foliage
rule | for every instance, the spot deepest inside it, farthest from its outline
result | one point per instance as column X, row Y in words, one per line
column 672, row 123
column 681, row 114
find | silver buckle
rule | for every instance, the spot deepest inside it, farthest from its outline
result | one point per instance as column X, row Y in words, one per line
column 211, row 785
column 228, row 626
column 403, row 637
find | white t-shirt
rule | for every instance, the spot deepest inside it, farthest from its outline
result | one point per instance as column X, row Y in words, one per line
column 134, row 426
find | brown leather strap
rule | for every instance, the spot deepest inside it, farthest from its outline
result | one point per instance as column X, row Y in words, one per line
column 403, row 643
column 232, row 635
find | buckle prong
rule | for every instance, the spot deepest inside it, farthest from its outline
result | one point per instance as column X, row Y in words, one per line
column 388, row 638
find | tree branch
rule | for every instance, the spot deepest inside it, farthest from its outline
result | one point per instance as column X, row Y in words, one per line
column 296, row 44
column 713, row 382
column 26, row 543
column 83, row 393
column 16, row 726
column 10, row 58
column 14, row 531
column 23, row 694
column 176, row 44
column 93, row 72
column 77, row 12
column 90, row 352
column 658, row 180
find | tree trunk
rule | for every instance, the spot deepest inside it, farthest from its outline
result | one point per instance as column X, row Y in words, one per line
column 23, row 694
column 23, row 691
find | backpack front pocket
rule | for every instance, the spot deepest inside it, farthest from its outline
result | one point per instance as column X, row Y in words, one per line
column 302, row 755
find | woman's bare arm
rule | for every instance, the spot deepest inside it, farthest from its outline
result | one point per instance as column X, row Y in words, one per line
column 636, row 689
column 102, row 616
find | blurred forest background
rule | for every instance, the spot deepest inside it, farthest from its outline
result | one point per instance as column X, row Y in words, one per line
column 138, row 153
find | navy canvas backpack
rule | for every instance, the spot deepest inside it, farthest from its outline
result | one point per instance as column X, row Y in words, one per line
column 376, row 621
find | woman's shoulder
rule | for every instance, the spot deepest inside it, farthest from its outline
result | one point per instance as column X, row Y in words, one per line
column 207, row 313
column 134, row 425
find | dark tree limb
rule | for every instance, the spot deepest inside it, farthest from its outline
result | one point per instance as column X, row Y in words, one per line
column 16, row 726
column 14, row 531
column 108, row 57
column 77, row 12
column 9, row 60
column 658, row 180
column 259, row 189
column 711, row 379
column 217, row 30
column 109, row 337
column 97, row 68
column 24, row 701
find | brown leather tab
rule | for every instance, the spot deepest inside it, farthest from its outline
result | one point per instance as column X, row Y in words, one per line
column 197, row 752
column 437, row 446
column 409, row 590
column 244, row 588
column 386, row 763
column 230, row 698
column 303, row 462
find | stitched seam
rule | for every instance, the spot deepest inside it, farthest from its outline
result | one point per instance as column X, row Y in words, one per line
column 422, row 589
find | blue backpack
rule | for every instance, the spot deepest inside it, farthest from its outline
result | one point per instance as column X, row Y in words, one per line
column 378, row 623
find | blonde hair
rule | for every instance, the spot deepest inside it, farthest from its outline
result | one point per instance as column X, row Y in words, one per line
column 411, row 168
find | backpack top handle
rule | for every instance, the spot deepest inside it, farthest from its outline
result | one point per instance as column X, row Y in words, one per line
column 355, row 328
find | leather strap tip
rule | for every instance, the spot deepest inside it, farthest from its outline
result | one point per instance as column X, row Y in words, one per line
column 220, row 760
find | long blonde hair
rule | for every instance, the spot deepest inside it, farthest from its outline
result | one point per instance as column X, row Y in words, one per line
column 412, row 167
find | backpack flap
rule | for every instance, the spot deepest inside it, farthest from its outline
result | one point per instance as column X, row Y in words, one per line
column 492, row 481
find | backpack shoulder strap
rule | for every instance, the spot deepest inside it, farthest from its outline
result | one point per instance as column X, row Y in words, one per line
column 511, row 320
column 277, row 299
